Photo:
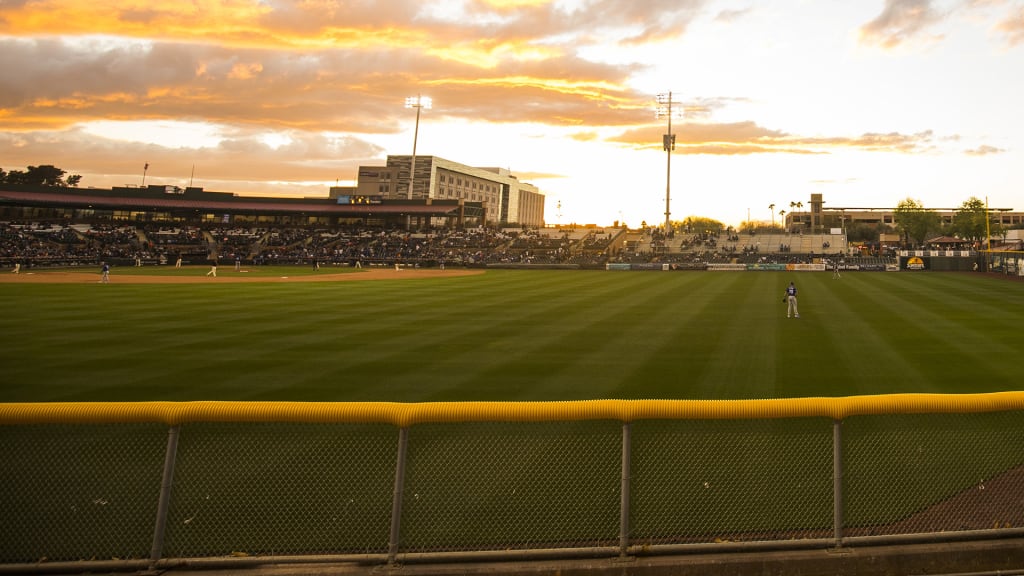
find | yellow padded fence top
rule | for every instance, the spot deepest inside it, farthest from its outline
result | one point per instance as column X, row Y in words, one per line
column 408, row 414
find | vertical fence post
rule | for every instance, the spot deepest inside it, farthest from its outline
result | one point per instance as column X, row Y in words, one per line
column 396, row 497
column 837, row 481
column 157, row 551
column 624, row 500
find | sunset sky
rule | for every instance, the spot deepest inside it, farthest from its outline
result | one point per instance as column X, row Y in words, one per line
column 867, row 102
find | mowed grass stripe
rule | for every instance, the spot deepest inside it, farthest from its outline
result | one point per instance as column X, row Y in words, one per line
column 855, row 351
column 537, row 333
column 513, row 335
column 597, row 344
column 740, row 333
column 945, row 340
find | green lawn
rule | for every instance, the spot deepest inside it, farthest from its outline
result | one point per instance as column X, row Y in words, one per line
column 513, row 335
column 504, row 335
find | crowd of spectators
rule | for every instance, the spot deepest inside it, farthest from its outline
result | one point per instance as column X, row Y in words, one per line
column 43, row 243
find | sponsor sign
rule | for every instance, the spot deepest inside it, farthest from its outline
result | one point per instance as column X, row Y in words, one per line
column 648, row 266
column 688, row 266
column 915, row 263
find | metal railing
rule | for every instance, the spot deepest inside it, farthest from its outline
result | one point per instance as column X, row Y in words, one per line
column 155, row 485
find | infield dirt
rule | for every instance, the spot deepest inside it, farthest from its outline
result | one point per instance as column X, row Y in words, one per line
column 60, row 277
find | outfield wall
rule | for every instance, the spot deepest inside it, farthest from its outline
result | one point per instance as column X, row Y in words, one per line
column 940, row 260
column 715, row 267
column 128, row 486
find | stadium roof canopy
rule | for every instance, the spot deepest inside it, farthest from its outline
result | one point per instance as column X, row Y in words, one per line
column 147, row 199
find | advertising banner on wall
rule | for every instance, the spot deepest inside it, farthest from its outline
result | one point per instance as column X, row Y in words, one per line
column 648, row 266
column 915, row 263
column 768, row 267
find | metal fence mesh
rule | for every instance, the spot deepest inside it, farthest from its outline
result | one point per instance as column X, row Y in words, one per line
column 933, row 473
column 282, row 489
column 485, row 486
column 91, row 492
column 730, row 480
column 84, row 492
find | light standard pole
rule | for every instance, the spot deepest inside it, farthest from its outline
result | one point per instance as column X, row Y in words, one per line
column 664, row 110
column 418, row 102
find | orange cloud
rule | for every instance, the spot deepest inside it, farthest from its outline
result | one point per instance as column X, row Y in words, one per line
column 741, row 138
column 899, row 22
column 240, row 157
column 1013, row 26
column 984, row 150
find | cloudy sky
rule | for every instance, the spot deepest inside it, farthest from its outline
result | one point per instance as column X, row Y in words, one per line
column 867, row 102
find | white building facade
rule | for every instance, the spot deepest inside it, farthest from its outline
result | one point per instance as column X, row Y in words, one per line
column 506, row 200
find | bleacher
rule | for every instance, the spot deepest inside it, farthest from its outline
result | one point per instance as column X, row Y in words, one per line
column 56, row 244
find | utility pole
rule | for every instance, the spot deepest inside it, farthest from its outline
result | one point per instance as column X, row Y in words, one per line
column 668, row 141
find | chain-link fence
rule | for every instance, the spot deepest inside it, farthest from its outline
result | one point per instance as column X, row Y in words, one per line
column 503, row 479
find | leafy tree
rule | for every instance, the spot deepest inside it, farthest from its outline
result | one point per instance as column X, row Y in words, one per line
column 971, row 221
column 46, row 175
column 915, row 221
column 758, row 226
column 863, row 232
column 698, row 224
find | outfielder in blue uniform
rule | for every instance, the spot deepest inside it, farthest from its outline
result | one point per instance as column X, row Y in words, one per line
column 791, row 299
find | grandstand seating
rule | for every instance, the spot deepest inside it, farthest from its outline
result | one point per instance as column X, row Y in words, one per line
column 50, row 244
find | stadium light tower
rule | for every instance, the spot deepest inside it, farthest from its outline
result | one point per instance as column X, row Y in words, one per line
column 664, row 110
column 418, row 102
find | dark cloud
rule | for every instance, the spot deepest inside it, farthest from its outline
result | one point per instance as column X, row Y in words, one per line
column 41, row 73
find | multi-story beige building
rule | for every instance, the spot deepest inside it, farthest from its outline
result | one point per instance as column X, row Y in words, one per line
column 815, row 217
column 505, row 200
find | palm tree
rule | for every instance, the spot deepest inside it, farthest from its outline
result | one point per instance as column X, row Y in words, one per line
column 772, row 208
column 782, row 214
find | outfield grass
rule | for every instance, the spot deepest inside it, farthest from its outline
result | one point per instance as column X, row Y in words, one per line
column 503, row 335
column 513, row 335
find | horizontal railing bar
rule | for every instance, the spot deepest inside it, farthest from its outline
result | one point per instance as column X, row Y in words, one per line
column 507, row 555
column 406, row 414
column 931, row 537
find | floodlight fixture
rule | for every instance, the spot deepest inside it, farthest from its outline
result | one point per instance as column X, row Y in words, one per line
column 419, row 102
